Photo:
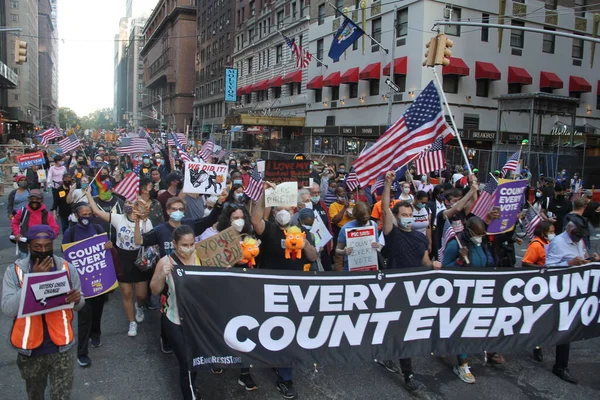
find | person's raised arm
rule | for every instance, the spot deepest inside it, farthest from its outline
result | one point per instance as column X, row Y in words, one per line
column 386, row 212
column 258, row 209
column 103, row 215
column 462, row 203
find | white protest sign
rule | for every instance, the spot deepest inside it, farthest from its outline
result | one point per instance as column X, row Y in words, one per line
column 284, row 195
column 322, row 234
column 51, row 288
column 363, row 257
column 260, row 166
column 204, row 178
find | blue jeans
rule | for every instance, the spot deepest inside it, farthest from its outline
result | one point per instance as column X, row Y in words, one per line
column 285, row 374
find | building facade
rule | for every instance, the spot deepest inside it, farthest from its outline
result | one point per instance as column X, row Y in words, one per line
column 168, row 55
column 8, row 77
column 48, row 64
column 135, row 73
column 121, row 85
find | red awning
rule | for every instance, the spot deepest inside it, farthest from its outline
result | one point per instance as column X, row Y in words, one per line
column 332, row 79
column 262, row 85
column 519, row 75
column 486, row 70
column 457, row 67
column 315, row 83
column 579, row 84
column 275, row 82
column 293, row 77
column 400, row 66
column 372, row 71
column 350, row 76
column 550, row 80
column 240, row 91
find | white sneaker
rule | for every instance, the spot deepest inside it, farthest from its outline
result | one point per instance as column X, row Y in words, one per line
column 132, row 329
column 139, row 314
column 464, row 373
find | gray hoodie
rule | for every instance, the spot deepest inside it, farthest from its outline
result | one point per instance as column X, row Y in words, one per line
column 11, row 291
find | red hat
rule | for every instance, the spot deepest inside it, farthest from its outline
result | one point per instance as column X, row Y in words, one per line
column 20, row 177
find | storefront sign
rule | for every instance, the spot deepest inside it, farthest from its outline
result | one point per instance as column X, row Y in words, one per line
column 367, row 131
column 347, row 130
column 322, row 131
column 513, row 137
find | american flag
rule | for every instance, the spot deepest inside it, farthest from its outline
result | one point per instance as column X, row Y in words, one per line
column 378, row 184
column 303, row 56
column 133, row 145
column 255, row 186
column 431, row 159
column 180, row 137
column 532, row 219
column 69, row 143
column 486, row 199
column 48, row 135
column 352, row 181
column 420, row 125
column 221, row 154
column 142, row 133
column 206, row 151
column 451, row 228
column 512, row 164
column 128, row 187
column 182, row 154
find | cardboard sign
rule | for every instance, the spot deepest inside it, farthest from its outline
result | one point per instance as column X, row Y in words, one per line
column 27, row 160
column 41, row 173
column 204, row 178
column 94, row 265
column 284, row 195
column 363, row 257
column 221, row 250
column 510, row 196
column 278, row 171
column 319, row 229
column 44, row 292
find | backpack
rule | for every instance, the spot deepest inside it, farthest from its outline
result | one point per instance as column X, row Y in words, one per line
column 97, row 228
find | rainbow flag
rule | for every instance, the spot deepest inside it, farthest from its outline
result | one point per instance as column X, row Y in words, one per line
column 99, row 188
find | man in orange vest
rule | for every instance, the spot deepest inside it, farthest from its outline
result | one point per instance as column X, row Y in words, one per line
column 42, row 341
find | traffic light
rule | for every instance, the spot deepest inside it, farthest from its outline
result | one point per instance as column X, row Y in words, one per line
column 20, row 51
column 443, row 52
column 430, row 53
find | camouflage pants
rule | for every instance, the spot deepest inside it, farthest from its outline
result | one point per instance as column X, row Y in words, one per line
column 36, row 371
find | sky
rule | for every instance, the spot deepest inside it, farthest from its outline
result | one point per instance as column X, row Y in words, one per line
column 86, row 53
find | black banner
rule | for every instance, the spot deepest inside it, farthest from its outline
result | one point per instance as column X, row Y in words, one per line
column 234, row 318
column 278, row 171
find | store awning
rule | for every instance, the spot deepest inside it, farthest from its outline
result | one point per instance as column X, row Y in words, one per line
column 519, row 75
column 293, row 77
column 550, row 80
column 275, row 82
column 456, row 67
column 371, row 71
column 315, row 83
column 350, row 76
column 240, row 91
column 400, row 66
column 332, row 79
column 262, row 85
column 579, row 84
column 486, row 70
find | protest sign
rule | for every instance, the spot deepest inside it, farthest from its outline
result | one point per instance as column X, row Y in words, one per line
column 363, row 257
column 29, row 159
column 44, row 292
column 204, row 178
column 278, row 171
column 41, row 173
column 331, row 318
column 260, row 166
column 319, row 229
column 94, row 265
column 510, row 196
column 284, row 195
column 221, row 250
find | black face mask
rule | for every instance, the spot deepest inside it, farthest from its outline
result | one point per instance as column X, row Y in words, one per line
column 67, row 183
column 40, row 255
column 103, row 177
column 80, row 162
column 35, row 205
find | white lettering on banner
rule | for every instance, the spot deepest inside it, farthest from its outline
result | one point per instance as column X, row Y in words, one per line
column 483, row 291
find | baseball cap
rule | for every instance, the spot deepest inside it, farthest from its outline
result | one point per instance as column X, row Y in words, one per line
column 40, row 232
column 36, row 193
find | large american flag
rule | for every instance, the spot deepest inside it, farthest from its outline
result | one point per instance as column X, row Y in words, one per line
column 303, row 56
column 255, row 186
column 431, row 159
column 352, row 181
column 133, row 145
column 486, row 199
column 512, row 164
column 69, row 143
column 182, row 154
column 532, row 219
column 206, row 152
column 420, row 125
column 48, row 135
column 180, row 137
column 129, row 187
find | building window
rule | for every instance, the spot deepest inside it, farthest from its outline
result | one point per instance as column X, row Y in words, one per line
column 514, row 88
column 375, row 33
column 249, row 98
column 252, row 8
column 278, row 53
column 318, row 95
column 319, row 51
column 482, row 88
column 14, row 4
column 598, row 102
column 548, row 41
column 294, row 12
column 402, row 21
column 450, row 83
column 551, row 4
column 250, row 36
column 14, row 17
column 400, row 81
column 339, row 4
column 517, row 38
column 277, row 92
column 335, row 93
column 291, row 89
column 330, row 120
column 321, row 14
column 374, row 87
column 353, row 90
column 298, row 87
column 576, row 95
column 577, row 50
column 16, row 97
column 301, row 8
column 250, row 61
column 485, row 31
column 453, row 14
column 546, row 90
column 280, row 17
column 579, row 8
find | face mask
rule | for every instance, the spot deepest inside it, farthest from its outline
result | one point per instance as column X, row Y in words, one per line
column 424, row 180
column 40, row 255
column 406, row 222
column 477, row 240
column 84, row 185
column 239, row 197
column 307, row 227
column 283, row 217
column 551, row 236
column 85, row 221
column 315, row 199
column 146, row 161
column 67, row 183
column 186, row 250
column 128, row 209
column 237, row 181
column 34, row 205
column 177, row 215
column 575, row 238
column 161, row 162
column 420, row 206
column 406, row 190
column 22, row 184
column 238, row 225
column 59, row 163
column 253, row 165
column 80, row 162
column 341, row 199
column 103, row 177
column 538, row 195
column 342, row 170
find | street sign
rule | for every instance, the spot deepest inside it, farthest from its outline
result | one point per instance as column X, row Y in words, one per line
column 392, row 85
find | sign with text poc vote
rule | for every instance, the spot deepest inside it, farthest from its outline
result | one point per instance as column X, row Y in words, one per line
column 509, row 199
column 44, row 292
column 204, row 178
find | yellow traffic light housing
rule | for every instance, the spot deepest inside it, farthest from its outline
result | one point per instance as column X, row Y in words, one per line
column 443, row 52
column 430, row 53
column 20, row 51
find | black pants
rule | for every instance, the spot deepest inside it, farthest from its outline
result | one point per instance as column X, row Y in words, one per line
column 88, row 323
column 562, row 356
column 186, row 378
column 406, row 366
column 64, row 222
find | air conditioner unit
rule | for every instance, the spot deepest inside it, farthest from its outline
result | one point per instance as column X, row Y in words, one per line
column 447, row 13
column 334, row 104
column 397, row 97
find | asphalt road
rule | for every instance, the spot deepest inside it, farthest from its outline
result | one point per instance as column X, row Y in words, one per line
column 135, row 368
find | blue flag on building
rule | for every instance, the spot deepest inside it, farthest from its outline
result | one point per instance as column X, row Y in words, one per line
column 343, row 38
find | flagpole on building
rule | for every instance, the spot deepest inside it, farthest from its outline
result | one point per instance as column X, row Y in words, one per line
column 392, row 72
column 364, row 32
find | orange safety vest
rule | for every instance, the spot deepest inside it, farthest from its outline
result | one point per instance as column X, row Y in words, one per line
column 28, row 332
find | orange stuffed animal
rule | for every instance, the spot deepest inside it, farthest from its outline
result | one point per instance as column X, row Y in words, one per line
column 250, row 250
column 294, row 242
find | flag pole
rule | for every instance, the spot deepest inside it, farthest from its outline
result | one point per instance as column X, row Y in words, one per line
column 364, row 32
column 460, row 143
column 313, row 56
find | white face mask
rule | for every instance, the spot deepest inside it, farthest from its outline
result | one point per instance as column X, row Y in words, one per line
column 283, row 217
column 238, row 225
column 406, row 190
column 186, row 250
column 477, row 240
column 551, row 236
